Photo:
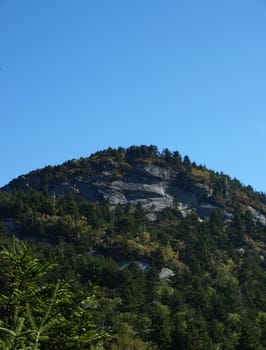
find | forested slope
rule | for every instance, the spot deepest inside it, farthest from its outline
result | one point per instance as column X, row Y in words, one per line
column 132, row 249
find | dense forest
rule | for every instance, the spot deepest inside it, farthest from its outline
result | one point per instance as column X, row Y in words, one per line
column 80, row 274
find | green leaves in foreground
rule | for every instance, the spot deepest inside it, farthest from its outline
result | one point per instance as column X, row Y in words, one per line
column 36, row 314
column 23, row 338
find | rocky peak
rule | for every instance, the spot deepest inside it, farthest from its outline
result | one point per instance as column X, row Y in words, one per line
column 141, row 174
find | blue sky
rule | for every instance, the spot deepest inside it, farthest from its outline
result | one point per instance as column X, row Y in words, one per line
column 80, row 76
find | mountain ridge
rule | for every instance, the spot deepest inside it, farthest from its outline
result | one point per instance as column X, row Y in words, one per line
column 177, row 251
column 143, row 174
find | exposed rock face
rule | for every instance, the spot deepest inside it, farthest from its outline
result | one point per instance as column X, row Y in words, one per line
column 154, row 187
column 165, row 274
column 257, row 215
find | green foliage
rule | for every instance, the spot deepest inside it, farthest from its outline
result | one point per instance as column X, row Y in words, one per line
column 48, row 300
column 36, row 314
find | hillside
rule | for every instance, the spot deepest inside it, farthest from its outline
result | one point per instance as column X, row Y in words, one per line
column 143, row 175
column 177, row 251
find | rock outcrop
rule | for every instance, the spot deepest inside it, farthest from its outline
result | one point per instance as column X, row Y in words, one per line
column 154, row 187
column 124, row 182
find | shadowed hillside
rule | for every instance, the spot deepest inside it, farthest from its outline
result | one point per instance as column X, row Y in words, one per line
column 177, row 251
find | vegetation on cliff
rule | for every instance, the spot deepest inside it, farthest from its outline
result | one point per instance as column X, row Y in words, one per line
column 88, row 276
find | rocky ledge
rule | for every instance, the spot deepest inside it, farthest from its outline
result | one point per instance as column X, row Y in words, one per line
column 156, row 188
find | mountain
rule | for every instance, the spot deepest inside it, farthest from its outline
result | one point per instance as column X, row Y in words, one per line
column 143, row 175
column 177, row 252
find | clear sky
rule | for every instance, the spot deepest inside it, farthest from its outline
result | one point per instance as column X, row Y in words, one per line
column 79, row 76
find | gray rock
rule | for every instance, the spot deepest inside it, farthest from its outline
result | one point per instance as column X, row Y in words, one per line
column 156, row 188
column 257, row 215
column 166, row 274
